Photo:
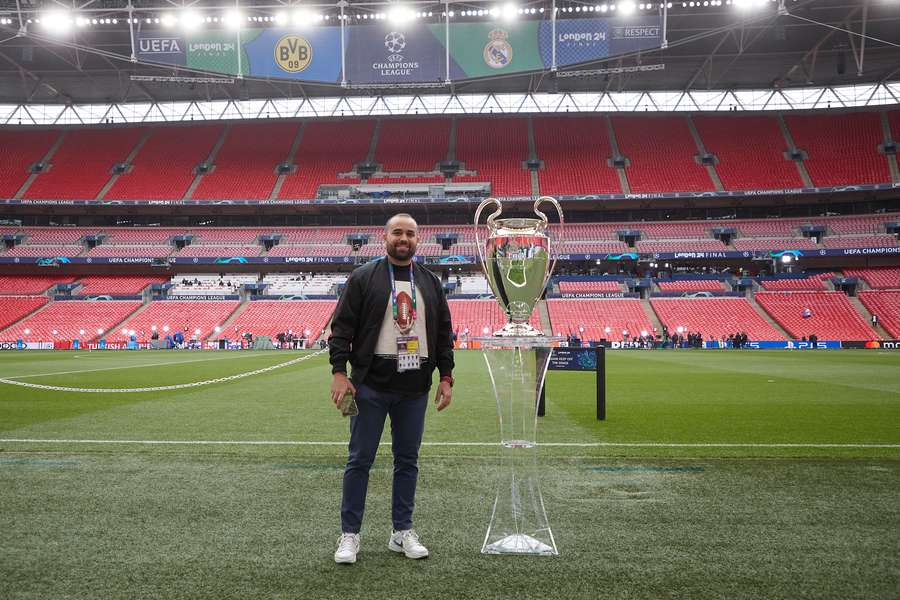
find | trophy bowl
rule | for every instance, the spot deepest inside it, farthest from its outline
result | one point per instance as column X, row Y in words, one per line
column 517, row 262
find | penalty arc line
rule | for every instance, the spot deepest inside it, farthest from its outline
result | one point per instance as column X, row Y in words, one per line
column 440, row 444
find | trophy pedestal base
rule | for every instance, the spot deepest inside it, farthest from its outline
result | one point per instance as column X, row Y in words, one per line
column 518, row 330
column 519, row 543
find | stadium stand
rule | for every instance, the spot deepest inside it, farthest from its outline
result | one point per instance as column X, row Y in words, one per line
column 870, row 224
column 116, row 284
column 812, row 282
column 885, row 304
column 43, row 251
column 832, row 316
column 480, row 317
column 706, row 245
column 315, row 235
column 142, row 235
column 410, row 145
column 295, row 283
column 271, row 317
column 110, row 250
column 19, row 149
column 749, row 149
column 310, row 250
column 326, row 149
column 231, row 235
column 202, row 283
column 589, row 247
column 878, row 278
column 176, row 315
column 663, row 161
column 867, row 241
column 714, row 318
column 690, row 285
column 83, row 163
column 496, row 149
column 754, row 244
column 164, row 166
column 587, row 287
column 219, row 251
column 842, row 148
column 57, row 235
column 245, row 164
column 29, row 284
column 619, row 315
column 473, row 284
column 574, row 151
column 13, row 308
column 68, row 318
column 672, row 230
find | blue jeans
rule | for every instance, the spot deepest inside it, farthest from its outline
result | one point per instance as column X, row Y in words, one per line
column 407, row 424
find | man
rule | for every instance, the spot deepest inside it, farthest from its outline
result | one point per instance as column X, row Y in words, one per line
column 393, row 325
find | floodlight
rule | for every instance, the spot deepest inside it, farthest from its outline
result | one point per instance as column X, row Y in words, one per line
column 197, row 331
column 191, row 20
column 787, row 259
column 509, row 11
column 281, row 18
column 99, row 331
column 400, row 14
column 124, row 331
column 27, row 331
column 233, row 19
column 627, row 8
column 56, row 21
column 485, row 330
column 168, row 20
column 81, row 332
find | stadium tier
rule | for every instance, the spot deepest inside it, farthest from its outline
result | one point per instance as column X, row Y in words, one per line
column 412, row 145
column 18, row 151
column 815, row 282
column 707, row 245
column 231, row 235
column 219, row 251
column 690, row 285
column 596, row 316
column 867, row 241
column 831, row 316
column 480, row 317
column 43, row 250
column 245, row 164
column 496, row 149
column 750, row 152
column 795, row 243
column 310, row 250
column 326, row 149
column 141, row 235
column 164, row 166
column 879, row 278
column 116, row 284
column 271, row 317
column 57, row 235
column 298, row 283
column 110, row 250
column 83, row 163
column 714, row 318
column 169, row 316
column 842, row 149
column 575, row 152
column 586, row 287
column 661, row 152
column 29, row 284
column 885, row 304
column 13, row 308
column 71, row 319
column 590, row 247
column 226, row 283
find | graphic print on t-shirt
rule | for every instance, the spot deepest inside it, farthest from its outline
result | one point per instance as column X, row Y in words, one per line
column 404, row 311
column 386, row 346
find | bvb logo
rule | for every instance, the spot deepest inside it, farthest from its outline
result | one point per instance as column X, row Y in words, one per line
column 293, row 53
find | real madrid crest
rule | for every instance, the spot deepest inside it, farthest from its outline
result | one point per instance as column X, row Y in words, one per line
column 497, row 52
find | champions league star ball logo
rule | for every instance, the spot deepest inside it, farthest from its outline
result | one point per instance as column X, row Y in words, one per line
column 497, row 52
column 395, row 42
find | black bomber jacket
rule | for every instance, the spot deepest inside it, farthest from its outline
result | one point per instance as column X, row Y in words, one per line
column 357, row 319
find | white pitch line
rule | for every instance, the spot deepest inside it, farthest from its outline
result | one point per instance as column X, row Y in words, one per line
column 461, row 444
column 160, row 364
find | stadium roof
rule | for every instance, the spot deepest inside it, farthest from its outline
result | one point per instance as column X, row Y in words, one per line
column 811, row 42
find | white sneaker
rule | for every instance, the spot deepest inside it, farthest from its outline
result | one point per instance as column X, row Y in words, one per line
column 407, row 542
column 348, row 547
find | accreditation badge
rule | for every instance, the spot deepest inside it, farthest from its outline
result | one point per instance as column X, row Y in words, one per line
column 407, row 353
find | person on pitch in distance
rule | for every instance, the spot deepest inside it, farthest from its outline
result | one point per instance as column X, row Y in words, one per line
column 393, row 325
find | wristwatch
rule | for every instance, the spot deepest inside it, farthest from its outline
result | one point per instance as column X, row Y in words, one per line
column 448, row 379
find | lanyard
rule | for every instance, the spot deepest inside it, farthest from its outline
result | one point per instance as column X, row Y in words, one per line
column 412, row 287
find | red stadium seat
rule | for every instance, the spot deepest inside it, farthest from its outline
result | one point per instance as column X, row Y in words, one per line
column 832, row 318
column 714, row 317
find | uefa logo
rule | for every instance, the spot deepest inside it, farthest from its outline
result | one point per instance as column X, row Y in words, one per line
column 395, row 42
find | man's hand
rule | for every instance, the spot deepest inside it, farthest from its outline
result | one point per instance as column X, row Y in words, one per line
column 442, row 398
column 339, row 386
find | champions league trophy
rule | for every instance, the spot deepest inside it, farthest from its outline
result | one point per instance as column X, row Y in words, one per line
column 516, row 259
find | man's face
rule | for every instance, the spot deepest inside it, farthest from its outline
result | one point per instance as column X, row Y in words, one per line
column 401, row 238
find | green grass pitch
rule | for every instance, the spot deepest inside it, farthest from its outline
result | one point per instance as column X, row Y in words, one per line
column 729, row 474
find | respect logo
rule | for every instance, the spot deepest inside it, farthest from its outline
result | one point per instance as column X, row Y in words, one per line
column 293, row 53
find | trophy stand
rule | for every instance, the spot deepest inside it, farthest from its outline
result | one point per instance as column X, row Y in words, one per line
column 517, row 366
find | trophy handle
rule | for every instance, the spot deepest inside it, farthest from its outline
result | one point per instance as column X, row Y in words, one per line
column 490, row 223
column 556, row 205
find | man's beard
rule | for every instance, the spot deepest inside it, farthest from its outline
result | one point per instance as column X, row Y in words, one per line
column 402, row 252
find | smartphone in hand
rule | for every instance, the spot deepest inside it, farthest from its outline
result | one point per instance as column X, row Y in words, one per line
column 348, row 405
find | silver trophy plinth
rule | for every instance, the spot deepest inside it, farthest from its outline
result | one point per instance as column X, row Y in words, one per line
column 516, row 260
